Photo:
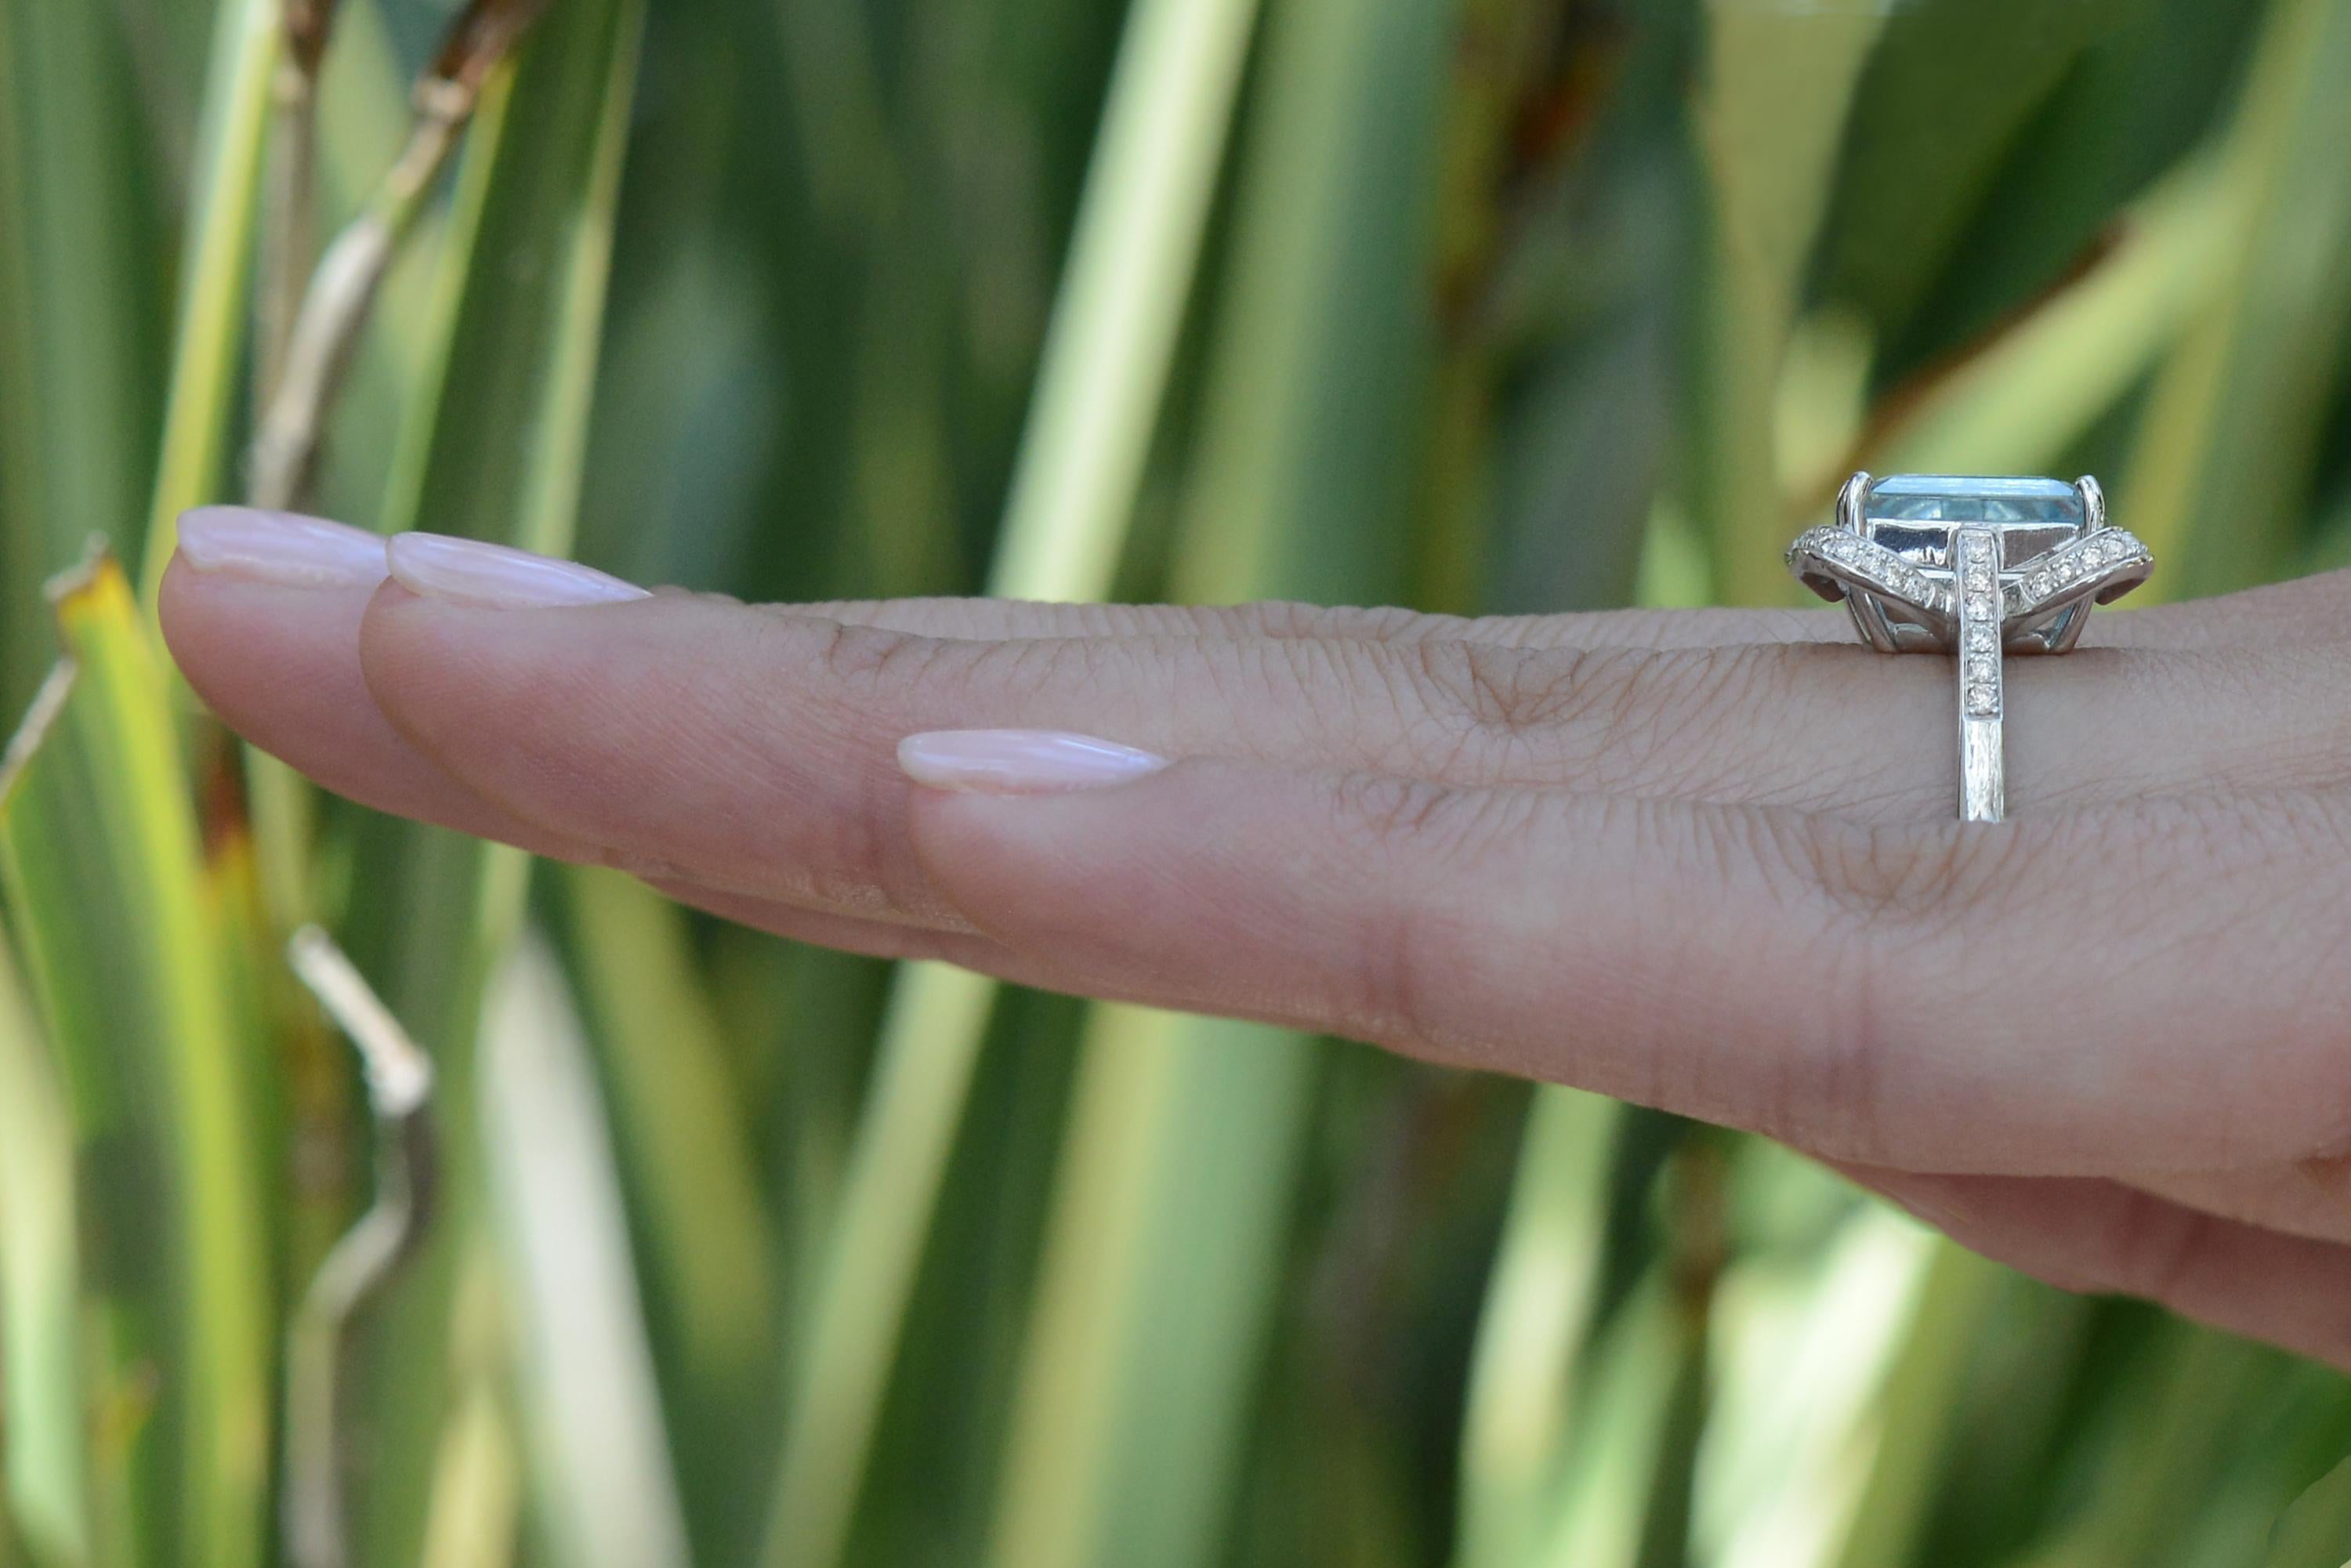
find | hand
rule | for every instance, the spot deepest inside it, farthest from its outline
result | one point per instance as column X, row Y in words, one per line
column 1703, row 861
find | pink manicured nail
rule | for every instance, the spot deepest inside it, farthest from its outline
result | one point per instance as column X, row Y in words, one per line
column 1020, row 761
column 280, row 548
column 496, row 576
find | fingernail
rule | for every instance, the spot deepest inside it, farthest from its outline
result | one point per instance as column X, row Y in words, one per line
column 280, row 548
column 1020, row 761
column 496, row 576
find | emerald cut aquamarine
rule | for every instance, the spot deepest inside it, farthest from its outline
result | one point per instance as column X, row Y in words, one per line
column 1952, row 498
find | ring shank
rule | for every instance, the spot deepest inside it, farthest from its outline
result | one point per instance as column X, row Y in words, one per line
column 1975, row 554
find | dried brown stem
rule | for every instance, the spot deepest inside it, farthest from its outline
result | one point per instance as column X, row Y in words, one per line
column 400, row 1094
column 291, row 235
column 324, row 335
column 484, row 32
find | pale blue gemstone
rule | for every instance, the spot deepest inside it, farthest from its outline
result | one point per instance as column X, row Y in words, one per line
column 1952, row 498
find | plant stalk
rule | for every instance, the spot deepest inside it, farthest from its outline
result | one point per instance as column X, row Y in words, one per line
column 399, row 1096
column 291, row 235
column 325, row 335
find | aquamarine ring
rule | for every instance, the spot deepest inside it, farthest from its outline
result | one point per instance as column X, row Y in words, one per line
column 1976, row 568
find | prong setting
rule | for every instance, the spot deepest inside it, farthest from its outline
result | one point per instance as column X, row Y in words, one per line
column 1976, row 569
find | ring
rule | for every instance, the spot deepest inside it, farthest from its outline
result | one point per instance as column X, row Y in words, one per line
column 1977, row 568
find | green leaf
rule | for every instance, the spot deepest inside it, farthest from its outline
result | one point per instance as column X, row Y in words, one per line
column 492, row 449
column 1154, row 1309
column 1949, row 94
column 1188, row 1135
column 606, row 1485
column 2231, row 435
column 1811, row 1348
column 363, row 114
column 1325, row 326
column 200, row 418
column 1130, row 276
column 2142, row 96
column 931, row 1039
column 1541, row 1299
column 80, row 337
column 2024, row 402
column 1103, row 384
column 40, row 1293
column 1918, row 1413
column 2315, row 1532
column 1770, row 121
column 105, row 878
column 684, row 1146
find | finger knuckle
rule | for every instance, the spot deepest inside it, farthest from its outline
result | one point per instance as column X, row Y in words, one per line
column 1385, row 814
column 1488, row 697
column 1283, row 618
column 1410, row 947
column 1882, row 874
column 1615, row 715
column 857, row 658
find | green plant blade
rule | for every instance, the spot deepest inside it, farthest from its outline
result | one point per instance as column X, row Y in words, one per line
column 1539, row 1301
column 104, row 871
column 1770, row 123
column 1915, row 1415
column 79, row 337
column 606, row 1484
column 2317, row 1531
column 1164, row 1254
column 1104, row 384
column 1303, row 474
column 40, row 1287
column 2223, row 468
column 930, row 1046
column 2026, row 400
column 677, row 1108
column 493, row 450
column 200, row 415
column 1304, row 466
column 1945, row 102
column 1129, row 278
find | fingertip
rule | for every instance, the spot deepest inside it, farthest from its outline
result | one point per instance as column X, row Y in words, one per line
column 1100, row 875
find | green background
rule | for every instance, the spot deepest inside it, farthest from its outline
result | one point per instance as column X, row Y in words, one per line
column 747, row 1253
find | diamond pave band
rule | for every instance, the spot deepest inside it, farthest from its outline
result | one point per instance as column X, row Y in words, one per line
column 1978, row 569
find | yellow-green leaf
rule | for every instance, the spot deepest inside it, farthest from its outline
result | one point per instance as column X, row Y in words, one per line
column 104, row 873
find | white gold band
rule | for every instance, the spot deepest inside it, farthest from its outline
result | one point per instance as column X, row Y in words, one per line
column 1976, row 569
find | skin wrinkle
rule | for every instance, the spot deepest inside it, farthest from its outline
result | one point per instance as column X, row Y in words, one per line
column 1408, row 948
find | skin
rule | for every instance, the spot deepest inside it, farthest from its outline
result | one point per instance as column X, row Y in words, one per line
column 1704, row 860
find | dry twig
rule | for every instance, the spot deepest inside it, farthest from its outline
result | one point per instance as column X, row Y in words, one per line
column 400, row 1095
column 326, row 331
column 290, row 232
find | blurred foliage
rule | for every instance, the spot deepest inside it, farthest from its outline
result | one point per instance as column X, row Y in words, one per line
column 747, row 1253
